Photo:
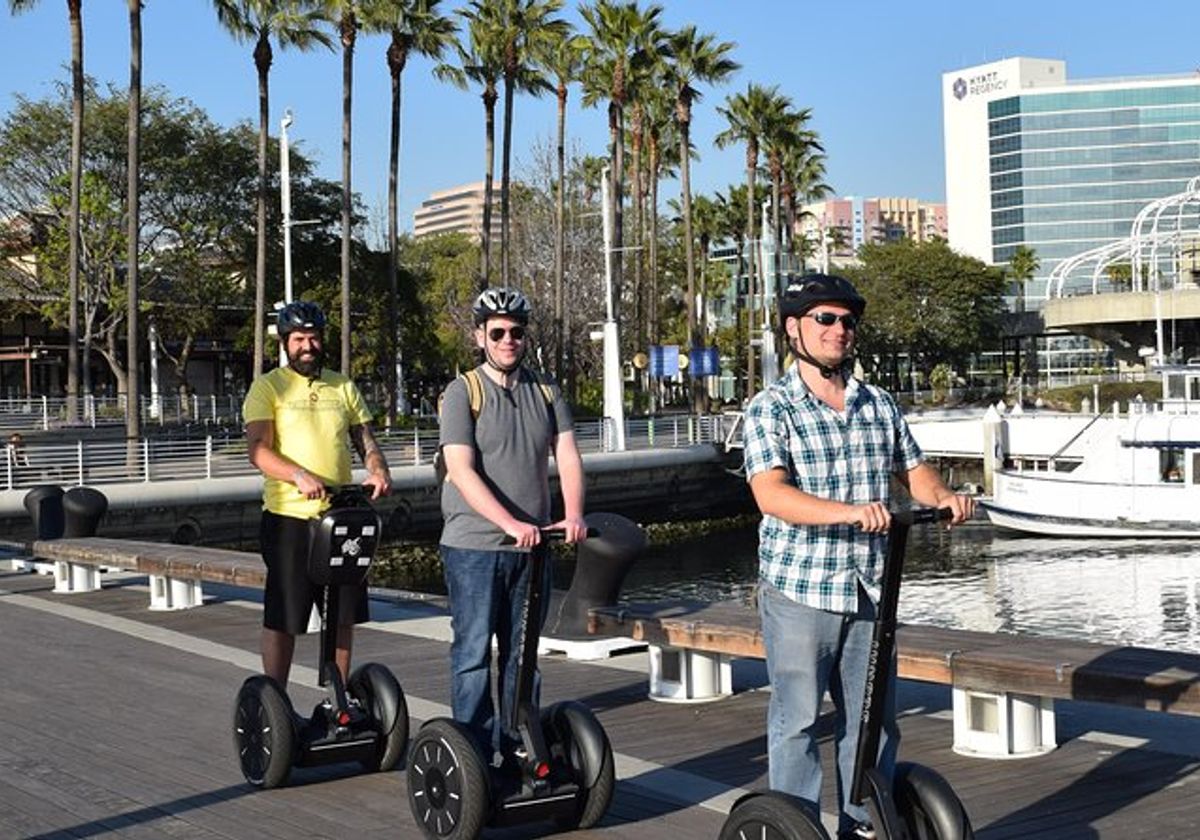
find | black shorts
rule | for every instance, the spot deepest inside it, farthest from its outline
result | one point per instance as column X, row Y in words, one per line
column 289, row 596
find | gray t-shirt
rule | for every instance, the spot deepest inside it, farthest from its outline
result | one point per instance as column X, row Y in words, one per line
column 512, row 438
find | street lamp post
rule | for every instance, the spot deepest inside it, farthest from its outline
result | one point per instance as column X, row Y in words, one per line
column 614, row 402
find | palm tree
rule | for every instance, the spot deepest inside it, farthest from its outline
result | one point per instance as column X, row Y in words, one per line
column 344, row 14
column 618, row 34
column 661, row 155
column 75, row 17
column 563, row 59
column 706, row 227
column 693, row 59
column 293, row 23
column 480, row 62
column 803, row 181
column 416, row 27
column 747, row 114
column 1022, row 265
column 521, row 28
column 133, row 418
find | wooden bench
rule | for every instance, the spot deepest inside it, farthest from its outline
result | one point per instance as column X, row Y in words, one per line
column 176, row 572
column 1003, row 685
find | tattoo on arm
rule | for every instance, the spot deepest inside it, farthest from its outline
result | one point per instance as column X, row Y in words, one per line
column 368, row 448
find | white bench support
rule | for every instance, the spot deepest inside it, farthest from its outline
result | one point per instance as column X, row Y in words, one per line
column 1002, row 725
column 75, row 577
column 168, row 593
column 682, row 675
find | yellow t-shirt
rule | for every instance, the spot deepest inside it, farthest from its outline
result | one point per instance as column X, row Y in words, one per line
column 312, row 422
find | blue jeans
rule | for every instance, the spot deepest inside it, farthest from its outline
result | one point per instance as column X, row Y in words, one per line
column 487, row 598
column 808, row 651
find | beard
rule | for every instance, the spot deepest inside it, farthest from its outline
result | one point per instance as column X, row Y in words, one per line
column 307, row 364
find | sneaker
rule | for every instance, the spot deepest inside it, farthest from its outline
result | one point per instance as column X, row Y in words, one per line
column 860, row 831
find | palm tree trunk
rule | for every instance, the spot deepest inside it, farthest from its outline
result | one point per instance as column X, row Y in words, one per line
column 396, row 65
column 505, row 155
column 685, row 181
column 618, row 180
column 75, row 12
column 752, row 286
column 639, row 294
column 262, row 60
column 349, row 26
column 560, row 239
column 489, row 129
column 653, row 210
column 133, row 424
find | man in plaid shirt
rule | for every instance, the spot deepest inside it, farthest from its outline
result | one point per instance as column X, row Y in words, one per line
column 820, row 449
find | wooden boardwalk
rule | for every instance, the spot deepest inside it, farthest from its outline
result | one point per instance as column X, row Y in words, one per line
column 115, row 722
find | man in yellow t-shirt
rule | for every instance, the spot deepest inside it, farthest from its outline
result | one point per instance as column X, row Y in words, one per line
column 299, row 420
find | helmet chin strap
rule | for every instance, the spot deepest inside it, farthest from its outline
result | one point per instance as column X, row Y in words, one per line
column 503, row 371
column 803, row 355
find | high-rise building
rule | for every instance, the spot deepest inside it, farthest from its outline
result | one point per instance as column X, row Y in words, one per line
column 1060, row 166
column 457, row 210
column 849, row 222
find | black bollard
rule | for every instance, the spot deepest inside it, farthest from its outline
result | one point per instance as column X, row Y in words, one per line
column 45, row 506
column 83, row 507
column 601, row 563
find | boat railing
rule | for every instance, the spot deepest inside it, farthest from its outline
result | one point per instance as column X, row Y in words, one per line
column 1074, row 438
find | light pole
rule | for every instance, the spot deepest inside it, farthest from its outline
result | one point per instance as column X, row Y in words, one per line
column 614, row 402
column 285, row 200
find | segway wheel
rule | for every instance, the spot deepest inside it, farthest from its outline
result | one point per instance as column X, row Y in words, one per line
column 929, row 806
column 575, row 736
column 263, row 733
column 374, row 686
column 772, row 816
column 447, row 787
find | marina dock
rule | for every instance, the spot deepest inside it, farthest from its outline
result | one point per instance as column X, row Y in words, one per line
column 117, row 723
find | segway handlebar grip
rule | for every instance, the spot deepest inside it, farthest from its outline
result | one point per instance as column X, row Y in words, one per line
column 921, row 516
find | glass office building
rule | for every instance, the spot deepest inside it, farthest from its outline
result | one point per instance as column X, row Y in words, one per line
column 1060, row 167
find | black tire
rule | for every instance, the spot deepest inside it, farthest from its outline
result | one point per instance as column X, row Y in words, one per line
column 376, row 688
column 264, row 736
column 447, row 788
column 772, row 816
column 929, row 806
column 574, row 736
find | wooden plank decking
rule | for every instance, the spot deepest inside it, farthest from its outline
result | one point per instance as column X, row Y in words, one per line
column 116, row 723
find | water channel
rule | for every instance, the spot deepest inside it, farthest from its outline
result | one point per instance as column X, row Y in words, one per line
column 1138, row 592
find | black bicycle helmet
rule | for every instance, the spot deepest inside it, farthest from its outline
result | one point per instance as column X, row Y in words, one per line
column 803, row 293
column 510, row 303
column 299, row 315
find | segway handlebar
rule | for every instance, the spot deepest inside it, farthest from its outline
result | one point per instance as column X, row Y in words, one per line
column 551, row 535
column 921, row 516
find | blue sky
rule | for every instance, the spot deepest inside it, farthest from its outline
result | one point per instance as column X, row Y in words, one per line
column 870, row 72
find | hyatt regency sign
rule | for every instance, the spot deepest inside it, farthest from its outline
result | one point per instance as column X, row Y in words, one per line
column 977, row 85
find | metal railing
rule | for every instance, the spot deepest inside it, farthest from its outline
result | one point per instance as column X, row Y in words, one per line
column 223, row 455
column 44, row 413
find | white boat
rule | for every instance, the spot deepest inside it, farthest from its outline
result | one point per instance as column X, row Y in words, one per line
column 1136, row 475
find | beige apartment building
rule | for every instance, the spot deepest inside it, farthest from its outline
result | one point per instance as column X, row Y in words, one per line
column 847, row 223
column 457, row 210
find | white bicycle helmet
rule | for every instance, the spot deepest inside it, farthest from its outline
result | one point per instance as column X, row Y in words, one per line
column 507, row 302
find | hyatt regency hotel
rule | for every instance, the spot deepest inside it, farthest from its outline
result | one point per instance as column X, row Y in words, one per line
column 1060, row 166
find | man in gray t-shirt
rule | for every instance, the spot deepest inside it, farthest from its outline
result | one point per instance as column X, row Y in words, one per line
column 495, row 447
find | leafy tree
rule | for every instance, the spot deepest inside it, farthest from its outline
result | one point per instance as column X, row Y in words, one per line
column 927, row 302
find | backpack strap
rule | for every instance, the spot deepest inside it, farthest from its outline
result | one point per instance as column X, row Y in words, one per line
column 475, row 392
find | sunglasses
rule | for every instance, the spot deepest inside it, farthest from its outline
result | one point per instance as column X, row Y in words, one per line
column 828, row 319
column 498, row 333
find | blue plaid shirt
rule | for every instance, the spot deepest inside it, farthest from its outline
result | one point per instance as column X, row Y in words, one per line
column 847, row 456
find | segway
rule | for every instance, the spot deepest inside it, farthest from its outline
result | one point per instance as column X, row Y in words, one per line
column 365, row 720
column 561, row 771
column 918, row 804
